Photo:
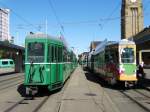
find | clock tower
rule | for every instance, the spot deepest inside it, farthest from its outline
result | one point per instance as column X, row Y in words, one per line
column 131, row 18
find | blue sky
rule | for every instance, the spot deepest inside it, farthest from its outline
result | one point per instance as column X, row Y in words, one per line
column 81, row 19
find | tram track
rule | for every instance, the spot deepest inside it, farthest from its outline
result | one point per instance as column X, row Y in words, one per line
column 146, row 88
column 11, row 85
column 13, row 106
column 8, row 83
column 35, row 103
column 138, row 97
column 143, row 92
column 41, row 104
column 8, row 79
column 30, row 101
column 27, row 100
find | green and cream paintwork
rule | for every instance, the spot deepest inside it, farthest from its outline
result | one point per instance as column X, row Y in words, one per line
column 53, row 70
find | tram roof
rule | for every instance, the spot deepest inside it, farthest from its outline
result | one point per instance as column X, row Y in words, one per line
column 106, row 43
column 125, row 41
column 46, row 36
column 42, row 35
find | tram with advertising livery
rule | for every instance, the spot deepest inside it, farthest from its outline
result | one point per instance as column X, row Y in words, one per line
column 115, row 62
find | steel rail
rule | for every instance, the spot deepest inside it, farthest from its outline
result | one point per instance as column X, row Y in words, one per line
column 11, row 85
column 135, row 101
column 15, row 105
column 11, row 78
column 41, row 104
column 142, row 93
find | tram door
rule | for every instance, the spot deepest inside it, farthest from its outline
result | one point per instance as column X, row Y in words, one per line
column 54, row 64
column 58, row 55
column 57, row 66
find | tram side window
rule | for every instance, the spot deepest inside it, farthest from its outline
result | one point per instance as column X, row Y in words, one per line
column 68, row 58
column 64, row 55
column 56, row 54
column 107, row 58
column 52, row 54
column 113, row 57
column 59, row 54
column 110, row 57
column 117, row 56
column 49, row 54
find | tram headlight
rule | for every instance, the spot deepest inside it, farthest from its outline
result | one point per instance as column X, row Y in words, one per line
column 135, row 72
column 121, row 70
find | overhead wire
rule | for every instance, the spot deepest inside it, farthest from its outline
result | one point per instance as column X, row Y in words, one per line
column 19, row 16
column 111, row 14
column 105, row 20
column 55, row 14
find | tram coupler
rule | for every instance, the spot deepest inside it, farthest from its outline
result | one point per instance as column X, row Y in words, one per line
column 31, row 90
column 130, row 84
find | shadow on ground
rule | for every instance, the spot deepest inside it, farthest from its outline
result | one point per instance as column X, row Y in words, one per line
column 144, row 82
column 96, row 79
column 8, row 73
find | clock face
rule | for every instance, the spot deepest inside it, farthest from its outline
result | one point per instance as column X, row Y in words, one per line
column 133, row 1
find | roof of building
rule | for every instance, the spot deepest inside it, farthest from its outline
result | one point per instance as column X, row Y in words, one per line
column 9, row 45
column 94, row 44
column 142, row 36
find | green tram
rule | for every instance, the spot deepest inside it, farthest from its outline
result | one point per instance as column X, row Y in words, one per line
column 48, row 63
column 115, row 62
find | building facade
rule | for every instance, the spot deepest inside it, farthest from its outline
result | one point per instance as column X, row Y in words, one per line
column 4, row 24
column 131, row 18
column 94, row 44
column 142, row 40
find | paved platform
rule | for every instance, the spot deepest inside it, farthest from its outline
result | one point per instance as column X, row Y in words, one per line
column 85, row 95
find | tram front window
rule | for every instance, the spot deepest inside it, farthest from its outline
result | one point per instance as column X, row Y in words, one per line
column 127, row 55
column 35, row 52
